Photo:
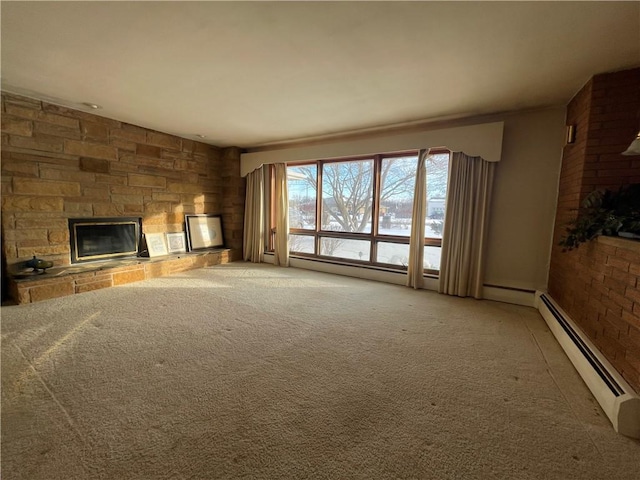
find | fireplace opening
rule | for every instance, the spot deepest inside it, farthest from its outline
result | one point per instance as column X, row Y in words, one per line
column 104, row 238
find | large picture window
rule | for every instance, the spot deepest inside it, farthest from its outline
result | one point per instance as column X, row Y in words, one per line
column 359, row 210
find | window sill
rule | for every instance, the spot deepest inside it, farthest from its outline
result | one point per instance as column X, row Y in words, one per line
column 379, row 268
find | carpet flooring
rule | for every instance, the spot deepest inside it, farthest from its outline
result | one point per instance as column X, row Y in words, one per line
column 259, row 372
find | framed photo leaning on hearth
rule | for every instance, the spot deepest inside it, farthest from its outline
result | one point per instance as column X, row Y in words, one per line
column 176, row 242
column 203, row 231
column 156, row 244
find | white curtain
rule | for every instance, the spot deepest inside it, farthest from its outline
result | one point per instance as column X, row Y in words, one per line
column 465, row 226
column 253, row 245
column 281, row 244
column 416, row 241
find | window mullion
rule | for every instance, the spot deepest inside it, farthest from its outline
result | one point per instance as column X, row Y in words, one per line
column 375, row 214
column 319, row 213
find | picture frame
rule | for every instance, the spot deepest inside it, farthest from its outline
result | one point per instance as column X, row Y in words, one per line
column 156, row 244
column 203, row 231
column 176, row 242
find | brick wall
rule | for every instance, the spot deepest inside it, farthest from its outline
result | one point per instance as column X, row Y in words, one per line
column 59, row 163
column 614, row 121
column 597, row 284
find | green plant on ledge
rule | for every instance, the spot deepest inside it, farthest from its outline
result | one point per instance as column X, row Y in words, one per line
column 605, row 212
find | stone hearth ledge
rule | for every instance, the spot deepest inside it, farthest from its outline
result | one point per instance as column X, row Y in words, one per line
column 79, row 278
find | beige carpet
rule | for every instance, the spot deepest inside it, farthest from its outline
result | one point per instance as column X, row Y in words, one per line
column 258, row 372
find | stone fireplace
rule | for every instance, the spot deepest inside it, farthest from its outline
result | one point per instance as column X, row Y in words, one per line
column 68, row 177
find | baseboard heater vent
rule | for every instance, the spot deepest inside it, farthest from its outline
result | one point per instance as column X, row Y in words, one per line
column 618, row 400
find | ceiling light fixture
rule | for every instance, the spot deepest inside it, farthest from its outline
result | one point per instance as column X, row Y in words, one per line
column 634, row 148
column 199, row 135
column 92, row 105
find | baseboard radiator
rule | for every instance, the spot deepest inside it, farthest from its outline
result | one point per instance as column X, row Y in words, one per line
column 618, row 400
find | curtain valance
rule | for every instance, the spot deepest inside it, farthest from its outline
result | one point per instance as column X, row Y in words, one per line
column 482, row 140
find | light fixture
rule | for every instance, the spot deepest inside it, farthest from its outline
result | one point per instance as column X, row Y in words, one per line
column 199, row 135
column 571, row 134
column 92, row 105
column 634, row 148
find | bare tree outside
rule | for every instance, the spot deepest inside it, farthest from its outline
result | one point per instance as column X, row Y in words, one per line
column 305, row 244
column 397, row 182
column 347, row 190
column 301, row 243
column 302, row 181
column 437, row 175
column 437, row 178
column 330, row 246
column 347, row 202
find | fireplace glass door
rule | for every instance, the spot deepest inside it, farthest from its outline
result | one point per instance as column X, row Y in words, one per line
column 100, row 239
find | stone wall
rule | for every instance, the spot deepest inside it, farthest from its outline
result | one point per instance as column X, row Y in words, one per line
column 109, row 274
column 59, row 163
column 233, row 198
column 598, row 284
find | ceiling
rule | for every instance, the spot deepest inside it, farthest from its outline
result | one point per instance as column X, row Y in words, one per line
column 257, row 73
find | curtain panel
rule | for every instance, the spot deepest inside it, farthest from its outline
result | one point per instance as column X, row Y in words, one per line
column 281, row 243
column 254, row 215
column 415, row 267
column 465, row 226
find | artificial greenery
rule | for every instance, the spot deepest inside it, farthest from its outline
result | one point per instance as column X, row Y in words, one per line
column 605, row 212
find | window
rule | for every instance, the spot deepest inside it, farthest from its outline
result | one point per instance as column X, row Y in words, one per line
column 347, row 196
column 302, row 184
column 359, row 210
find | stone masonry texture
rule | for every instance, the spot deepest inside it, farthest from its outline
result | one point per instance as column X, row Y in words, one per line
column 59, row 163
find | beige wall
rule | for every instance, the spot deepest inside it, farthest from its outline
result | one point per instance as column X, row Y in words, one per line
column 525, row 188
column 524, row 200
column 479, row 139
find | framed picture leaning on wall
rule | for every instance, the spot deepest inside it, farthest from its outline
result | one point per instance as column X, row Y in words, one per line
column 156, row 245
column 203, row 231
column 176, row 242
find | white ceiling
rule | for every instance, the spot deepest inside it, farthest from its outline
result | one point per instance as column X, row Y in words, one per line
column 255, row 73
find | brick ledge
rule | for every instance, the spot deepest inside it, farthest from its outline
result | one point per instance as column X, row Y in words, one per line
column 69, row 280
column 620, row 242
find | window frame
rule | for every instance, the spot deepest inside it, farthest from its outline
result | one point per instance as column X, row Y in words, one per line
column 373, row 236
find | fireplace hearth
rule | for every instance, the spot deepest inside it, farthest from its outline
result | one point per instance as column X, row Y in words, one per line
column 95, row 239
